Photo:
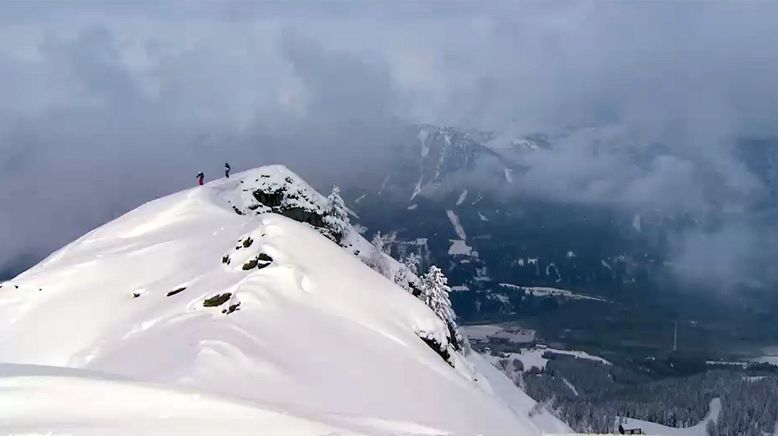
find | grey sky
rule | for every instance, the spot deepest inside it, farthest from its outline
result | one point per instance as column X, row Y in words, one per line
column 106, row 105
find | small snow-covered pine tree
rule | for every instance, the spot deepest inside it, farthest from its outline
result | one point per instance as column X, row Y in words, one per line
column 336, row 216
column 377, row 258
column 412, row 262
column 405, row 276
column 434, row 293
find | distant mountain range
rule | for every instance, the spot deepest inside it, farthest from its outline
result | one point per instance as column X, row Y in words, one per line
column 443, row 196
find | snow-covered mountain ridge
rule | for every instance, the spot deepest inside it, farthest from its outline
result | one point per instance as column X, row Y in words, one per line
column 212, row 296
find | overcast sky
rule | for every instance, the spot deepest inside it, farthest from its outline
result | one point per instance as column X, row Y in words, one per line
column 105, row 106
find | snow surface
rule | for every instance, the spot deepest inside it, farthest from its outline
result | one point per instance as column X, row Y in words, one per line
column 514, row 398
column 772, row 360
column 383, row 185
column 483, row 218
column 485, row 332
column 462, row 197
column 636, row 223
column 425, row 149
column 459, row 248
column 508, row 174
column 533, row 357
column 319, row 343
column 417, row 189
column 42, row 400
column 770, row 356
column 482, row 331
column 542, row 291
column 454, row 218
column 570, row 385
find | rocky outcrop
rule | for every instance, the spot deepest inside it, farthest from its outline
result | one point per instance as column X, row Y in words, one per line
column 437, row 347
column 217, row 300
column 287, row 195
column 262, row 260
column 177, row 291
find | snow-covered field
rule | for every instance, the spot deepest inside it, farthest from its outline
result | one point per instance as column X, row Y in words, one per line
column 770, row 356
column 184, row 317
column 487, row 331
column 541, row 291
column 459, row 248
column 533, row 357
column 772, row 360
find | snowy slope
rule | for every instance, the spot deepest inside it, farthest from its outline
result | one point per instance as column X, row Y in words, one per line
column 256, row 317
column 516, row 399
column 44, row 400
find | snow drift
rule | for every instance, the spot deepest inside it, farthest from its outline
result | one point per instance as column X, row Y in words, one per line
column 214, row 308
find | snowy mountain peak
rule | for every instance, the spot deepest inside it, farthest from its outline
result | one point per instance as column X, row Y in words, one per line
column 445, row 150
column 227, row 296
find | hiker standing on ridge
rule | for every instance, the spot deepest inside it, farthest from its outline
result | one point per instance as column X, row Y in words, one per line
column 226, row 170
column 200, row 177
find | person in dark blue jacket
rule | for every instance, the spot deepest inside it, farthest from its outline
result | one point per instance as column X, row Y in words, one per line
column 227, row 170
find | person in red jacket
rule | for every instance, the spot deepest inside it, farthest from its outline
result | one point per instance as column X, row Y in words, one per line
column 200, row 177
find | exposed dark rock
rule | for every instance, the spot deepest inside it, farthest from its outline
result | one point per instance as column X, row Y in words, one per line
column 250, row 264
column 439, row 348
column 453, row 337
column 261, row 261
column 171, row 293
column 290, row 199
column 226, row 259
column 303, row 215
column 414, row 289
column 217, row 300
column 247, row 242
column 275, row 201
column 235, row 208
column 137, row 294
column 232, row 308
column 270, row 199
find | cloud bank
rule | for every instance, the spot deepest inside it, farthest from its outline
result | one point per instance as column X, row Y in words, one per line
column 107, row 106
